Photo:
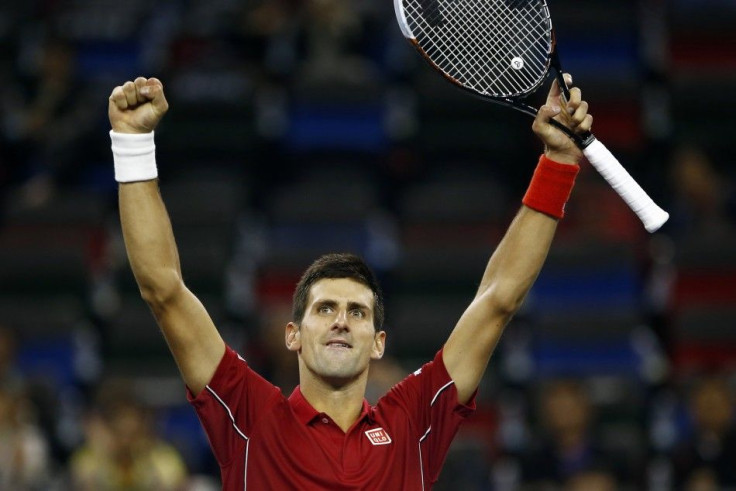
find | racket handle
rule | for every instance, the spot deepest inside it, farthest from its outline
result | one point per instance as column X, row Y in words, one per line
column 651, row 215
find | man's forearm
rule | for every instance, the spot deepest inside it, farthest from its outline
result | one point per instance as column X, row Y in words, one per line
column 516, row 263
column 518, row 259
column 149, row 239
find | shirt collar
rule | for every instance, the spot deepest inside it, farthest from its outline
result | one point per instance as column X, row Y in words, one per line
column 305, row 413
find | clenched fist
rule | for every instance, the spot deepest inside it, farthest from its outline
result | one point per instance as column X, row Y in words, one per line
column 138, row 106
column 573, row 114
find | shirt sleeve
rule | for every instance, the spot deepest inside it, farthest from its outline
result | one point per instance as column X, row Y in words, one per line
column 230, row 404
column 429, row 398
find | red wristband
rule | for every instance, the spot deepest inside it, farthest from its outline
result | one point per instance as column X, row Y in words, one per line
column 550, row 187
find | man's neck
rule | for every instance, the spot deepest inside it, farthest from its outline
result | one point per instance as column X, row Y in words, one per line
column 343, row 404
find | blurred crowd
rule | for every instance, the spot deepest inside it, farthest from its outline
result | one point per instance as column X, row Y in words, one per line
column 282, row 98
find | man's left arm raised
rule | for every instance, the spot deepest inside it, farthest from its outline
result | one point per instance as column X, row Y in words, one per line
column 518, row 259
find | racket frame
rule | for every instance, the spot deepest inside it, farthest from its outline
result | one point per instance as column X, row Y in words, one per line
column 515, row 101
column 651, row 215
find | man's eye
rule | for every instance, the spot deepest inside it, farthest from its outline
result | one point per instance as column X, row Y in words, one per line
column 325, row 309
column 357, row 313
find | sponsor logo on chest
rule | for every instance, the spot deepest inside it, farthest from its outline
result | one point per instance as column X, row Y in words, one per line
column 378, row 436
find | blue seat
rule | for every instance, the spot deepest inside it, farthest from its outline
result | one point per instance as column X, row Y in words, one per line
column 346, row 127
column 584, row 310
column 109, row 59
column 48, row 359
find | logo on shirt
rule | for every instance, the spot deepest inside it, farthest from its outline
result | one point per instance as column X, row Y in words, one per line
column 378, row 436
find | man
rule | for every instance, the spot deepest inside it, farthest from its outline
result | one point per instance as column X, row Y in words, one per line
column 325, row 436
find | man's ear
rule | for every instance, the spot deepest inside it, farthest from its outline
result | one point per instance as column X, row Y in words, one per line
column 292, row 337
column 379, row 345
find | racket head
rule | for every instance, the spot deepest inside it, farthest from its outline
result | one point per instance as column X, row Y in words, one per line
column 498, row 49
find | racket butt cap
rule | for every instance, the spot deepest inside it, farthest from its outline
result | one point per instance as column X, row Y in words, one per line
column 656, row 219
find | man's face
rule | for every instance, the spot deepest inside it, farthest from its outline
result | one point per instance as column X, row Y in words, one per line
column 337, row 338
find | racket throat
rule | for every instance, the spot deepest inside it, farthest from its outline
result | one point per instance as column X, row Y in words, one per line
column 582, row 140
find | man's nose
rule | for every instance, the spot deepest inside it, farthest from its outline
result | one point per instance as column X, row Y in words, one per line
column 341, row 320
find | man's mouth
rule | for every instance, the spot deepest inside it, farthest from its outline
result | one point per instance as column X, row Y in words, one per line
column 338, row 344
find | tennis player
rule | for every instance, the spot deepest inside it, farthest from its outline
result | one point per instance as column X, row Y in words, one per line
column 325, row 436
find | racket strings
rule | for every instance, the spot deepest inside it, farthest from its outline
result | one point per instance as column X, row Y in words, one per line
column 527, row 48
column 521, row 40
column 495, row 47
column 512, row 39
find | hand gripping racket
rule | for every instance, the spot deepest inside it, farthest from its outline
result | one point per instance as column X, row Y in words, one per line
column 502, row 51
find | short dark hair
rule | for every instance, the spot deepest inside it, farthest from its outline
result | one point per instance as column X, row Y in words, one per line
column 341, row 265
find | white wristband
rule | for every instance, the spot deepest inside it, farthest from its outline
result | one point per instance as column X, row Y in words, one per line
column 134, row 156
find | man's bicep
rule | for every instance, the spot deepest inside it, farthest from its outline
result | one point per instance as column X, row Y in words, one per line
column 470, row 345
column 192, row 338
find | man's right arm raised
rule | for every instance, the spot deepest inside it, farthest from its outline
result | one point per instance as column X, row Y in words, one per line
column 136, row 108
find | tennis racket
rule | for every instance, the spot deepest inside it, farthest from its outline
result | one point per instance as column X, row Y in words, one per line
column 502, row 51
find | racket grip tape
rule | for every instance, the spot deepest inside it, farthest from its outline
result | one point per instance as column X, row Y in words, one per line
column 550, row 187
column 651, row 215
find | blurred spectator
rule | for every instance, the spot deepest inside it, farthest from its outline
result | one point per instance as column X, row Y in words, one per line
column 309, row 41
column 591, row 481
column 568, row 451
column 702, row 480
column 121, row 450
column 701, row 197
column 268, row 32
column 333, row 32
column 269, row 17
column 46, row 116
column 24, row 453
column 708, row 455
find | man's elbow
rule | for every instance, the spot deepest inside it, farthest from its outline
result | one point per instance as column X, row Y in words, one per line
column 504, row 300
column 160, row 290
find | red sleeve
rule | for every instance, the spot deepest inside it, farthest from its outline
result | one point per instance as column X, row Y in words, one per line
column 230, row 404
column 429, row 397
